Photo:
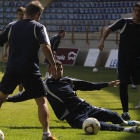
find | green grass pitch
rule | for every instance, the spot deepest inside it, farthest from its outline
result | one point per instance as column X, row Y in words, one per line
column 19, row 121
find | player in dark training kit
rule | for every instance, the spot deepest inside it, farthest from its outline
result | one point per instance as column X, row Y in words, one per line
column 25, row 38
column 61, row 94
column 129, row 54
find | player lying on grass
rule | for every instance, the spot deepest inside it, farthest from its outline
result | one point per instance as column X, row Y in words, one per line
column 67, row 106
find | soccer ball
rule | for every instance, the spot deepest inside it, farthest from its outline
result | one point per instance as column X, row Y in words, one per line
column 95, row 70
column 91, row 126
column 1, row 135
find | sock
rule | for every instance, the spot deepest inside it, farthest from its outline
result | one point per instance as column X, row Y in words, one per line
column 128, row 130
column 47, row 75
column 124, row 123
column 47, row 134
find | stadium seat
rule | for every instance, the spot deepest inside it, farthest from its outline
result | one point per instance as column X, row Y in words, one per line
column 86, row 22
column 130, row 4
column 47, row 16
column 86, row 11
column 64, row 4
column 18, row 4
column 60, row 16
column 107, row 10
column 126, row 4
column 77, row 11
column 109, row 16
column 114, row 17
column 42, row 16
column 83, row 22
column 101, row 17
column 99, row 11
column 97, row 5
column 1, row 27
column 93, row 5
column 76, row 16
column 105, row 16
column 96, row 29
column 59, row 10
column 105, row 4
column 84, row 17
column 88, row 17
column 109, row 4
column 82, row 11
column 1, row 9
column 84, row 29
column 52, row 4
column 71, row 16
column 115, row 10
column 128, row 10
column 7, row 9
column 122, row 4
column 94, row 22
column 53, row 16
column 77, row 0
column 92, row 16
column 68, row 29
column 54, row 28
column 82, row 5
column 60, row 22
column 14, row 16
column 76, row 29
column 107, row 22
column 91, row 29
column 70, row 5
column 96, row 16
column 8, row 20
column 111, row 10
column 118, row 16
column 113, row 4
column 103, row 11
column 47, row 10
column 99, row 22
column 11, row 4
column 5, row 4
column 80, row 17
column 1, row 15
column 71, row 22
column 124, row 10
column 101, row 5
column 54, row 22
column 25, row 4
column 42, row 21
column 78, row 22
column 58, row 5
column 66, row 16
column 95, row 11
column 71, row 10
column 48, row 22
column 49, row 28
column 90, row 11
column 88, row 5
column 65, row 11
column 77, row 5
column 120, row 10
column 66, row 22
column 53, row 10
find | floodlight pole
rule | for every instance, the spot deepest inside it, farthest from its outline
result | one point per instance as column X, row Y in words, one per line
column 3, row 30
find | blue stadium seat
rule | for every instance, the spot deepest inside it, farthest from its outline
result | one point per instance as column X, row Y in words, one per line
column 105, row 4
column 1, row 15
column 71, row 10
column 65, row 11
column 90, row 11
column 118, row 4
column 91, row 29
column 103, row 11
column 101, row 5
column 84, row 17
column 77, row 0
column 7, row 9
column 1, row 27
column 63, row 0
column 96, row 29
column 107, row 22
column 122, row 4
column 59, row 10
column 53, row 10
column 63, row 28
column 53, row 16
column 1, row 9
column 86, row 22
column 88, row 5
column 42, row 16
column 78, row 22
column 77, row 5
column 60, row 16
column 47, row 10
column 49, row 28
column 48, row 22
column 71, row 16
column 83, row 0
column 18, row 4
column 54, row 28
column 105, row 16
column 107, row 10
column 95, row 11
column 71, row 5
column 130, row 4
column 102, row 22
column 93, row 5
column 70, row 0
column 58, row 5
column 101, row 17
column 56, row 0
column 88, row 17
column 76, row 16
column 8, row 15
column 14, row 16
column 71, row 22
column 113, row 4
column 111, row 10
column 129, row 10
column 99, row 11
column 5, row 4
column 114, row 17
column 54, row 22
column 120, row 10
column 82, row 5
column 14, row 10
column 118, row 16
column 99, row 22
column 60, row 22
column 66, row 16
column 66, row 22
column 77, row 11
column 47, row 16
column 64, row 4
column 42, row 21
column 84, row 29
column 25, row 4
column 126, row 4
column 11, row 4
column 52, row 4
column 115, row 10
column 109, row 4
column 68, row 29
column 109, row 16
column 86, row 11
column 9, row 20
column 76, row 29
column 96, row 16
column 82, row 11
column 92, row 16
column 124, row 10
column 83, row 22
column 80, row 17
column 97, row 5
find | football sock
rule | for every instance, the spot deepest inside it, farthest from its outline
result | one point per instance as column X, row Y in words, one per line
column 124, row 123
column 47, row 134
column 128, row 130
column 47, row 75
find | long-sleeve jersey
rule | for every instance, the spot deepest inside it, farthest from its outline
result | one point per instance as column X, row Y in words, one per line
column 61, row 94
column 55, row 40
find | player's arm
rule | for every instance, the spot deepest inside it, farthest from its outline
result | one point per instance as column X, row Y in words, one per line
column 6, row 50
column 116, row 26
column 19, row 97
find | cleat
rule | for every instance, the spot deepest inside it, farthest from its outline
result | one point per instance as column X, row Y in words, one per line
column 126, row 116
column 138, row 106
column 135, row 129
column 134, row 87
column 45, row 137
column 131, row 123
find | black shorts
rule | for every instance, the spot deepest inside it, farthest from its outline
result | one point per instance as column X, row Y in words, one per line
column 129, row 72
column 32, row 83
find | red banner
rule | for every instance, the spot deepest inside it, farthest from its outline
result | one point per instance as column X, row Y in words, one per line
column 67, row 55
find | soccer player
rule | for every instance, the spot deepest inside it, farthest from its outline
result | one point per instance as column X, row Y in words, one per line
column 25, row 38
column 61, row 94
column 55, row 40
column 20, row 16
column 129, row 54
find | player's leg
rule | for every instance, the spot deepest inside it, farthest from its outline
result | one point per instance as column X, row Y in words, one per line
column 47, row 70
column 2, row 98
column 20, row 88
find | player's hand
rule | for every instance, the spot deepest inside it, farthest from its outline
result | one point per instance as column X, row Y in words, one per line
column 5, row 56
column 54, row 53
column 113, row 83
column 53, row 70
column 101, row 46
